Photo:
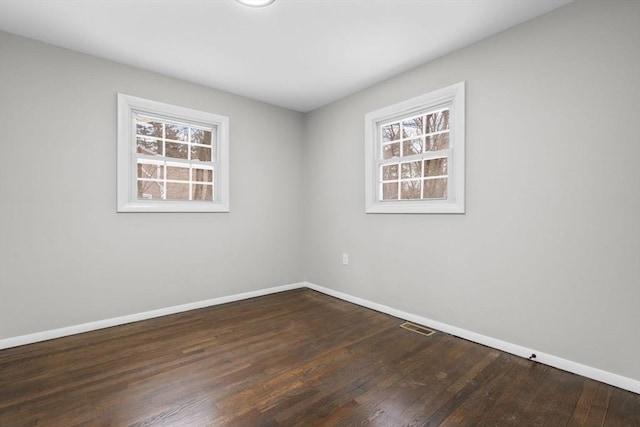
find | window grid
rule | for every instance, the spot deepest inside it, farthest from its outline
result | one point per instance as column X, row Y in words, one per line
column 398, row 181
column 164, row 161
column 425, row 154
column 422, row 135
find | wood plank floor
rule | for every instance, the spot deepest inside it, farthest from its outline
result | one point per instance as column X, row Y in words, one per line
column 298, row 358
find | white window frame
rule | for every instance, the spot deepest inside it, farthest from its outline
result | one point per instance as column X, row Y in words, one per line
column 451, row 97
column 127, row 199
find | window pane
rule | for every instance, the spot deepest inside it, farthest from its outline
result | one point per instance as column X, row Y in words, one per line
column 202, row 192
column 177, row 132
column 413, row 146
column 199, row 136
column 390, row 172
column 437, row 121
column 200, row 153
column 390, row 191
column 435, row 188
column 149, row 189
column 391, row 150
column 411, row 169
column 391, row 132
column 435, row 167
column 180, row 173
column 438, row 142
column 152, row 171
column 177, row 150
column 149, row 146
column 177, row 191
column 202, row 175
column 148, row 127
column 412, row 127
column 410, row 190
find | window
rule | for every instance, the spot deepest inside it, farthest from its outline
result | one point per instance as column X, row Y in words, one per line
column 415, row 155
column 171, row 159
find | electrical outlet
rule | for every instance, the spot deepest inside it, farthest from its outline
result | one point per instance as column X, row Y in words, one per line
column 345, row 259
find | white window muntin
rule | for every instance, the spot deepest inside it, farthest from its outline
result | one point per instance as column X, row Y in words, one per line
column 168, row 161
column 193, row 125
column 452, row 98
column 424, row 155
column 404, row 118
column 165, row 160
column 185, row 164
column 400, row 180
column 411, row 160
column 128, row 108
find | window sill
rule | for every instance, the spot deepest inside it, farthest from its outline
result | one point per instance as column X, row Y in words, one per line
column 165, row 206
column 415, row 207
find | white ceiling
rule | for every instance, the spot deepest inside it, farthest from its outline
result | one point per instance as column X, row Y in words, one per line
column 299, row 54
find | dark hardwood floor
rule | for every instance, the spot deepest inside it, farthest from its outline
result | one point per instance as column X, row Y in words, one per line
column 297, row 358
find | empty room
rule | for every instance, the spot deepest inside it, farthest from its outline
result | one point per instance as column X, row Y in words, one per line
column 319, row 213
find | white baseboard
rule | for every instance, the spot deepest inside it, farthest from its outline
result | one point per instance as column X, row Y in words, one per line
column 107, row 323
column 547, row 359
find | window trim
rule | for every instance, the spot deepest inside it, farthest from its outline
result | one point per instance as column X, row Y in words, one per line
column 127, row 200
column 452, row 96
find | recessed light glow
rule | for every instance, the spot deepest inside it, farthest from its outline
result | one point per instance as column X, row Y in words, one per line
column 256, row 3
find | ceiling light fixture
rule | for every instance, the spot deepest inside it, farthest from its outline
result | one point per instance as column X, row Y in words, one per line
column 256, row 3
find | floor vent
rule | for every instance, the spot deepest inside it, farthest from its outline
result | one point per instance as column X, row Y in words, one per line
column 417, row 328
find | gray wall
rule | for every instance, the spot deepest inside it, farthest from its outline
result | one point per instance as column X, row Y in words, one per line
column 548, row 254
column 67, row 257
